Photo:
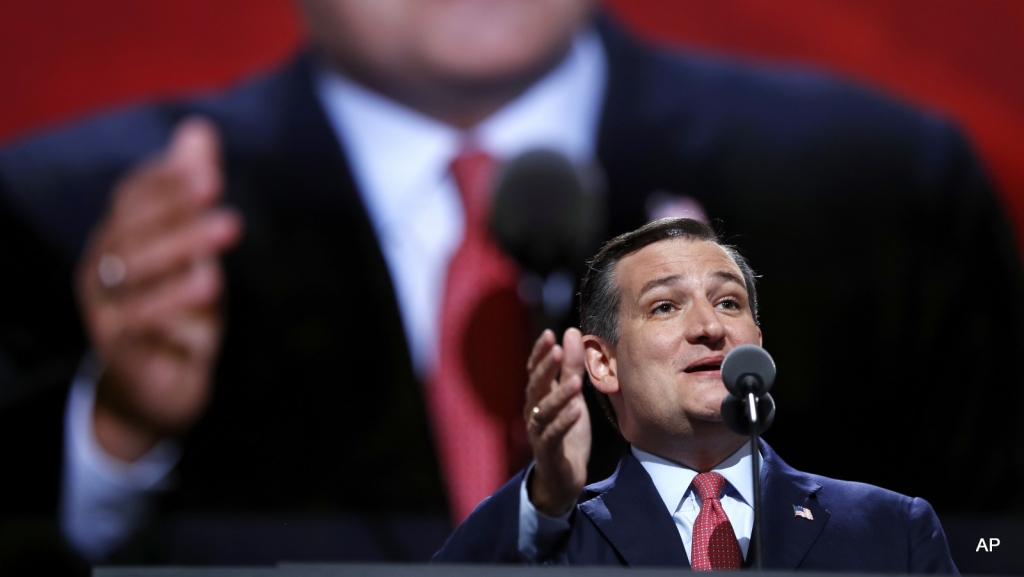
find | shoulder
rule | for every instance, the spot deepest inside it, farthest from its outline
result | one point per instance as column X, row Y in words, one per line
column 862, row 499
column 847, row 501
column 600, row 487
column 723, row 97
column 855, row 503
column 491, row 532
column 69, row 170
column 863, row 527
column 125, row 134
column 628, row 477
column 869, row 515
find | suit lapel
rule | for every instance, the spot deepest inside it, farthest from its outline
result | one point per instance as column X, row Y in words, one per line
column 788, row 537
column 299, row 172
column 309, row 291
column 632, row 517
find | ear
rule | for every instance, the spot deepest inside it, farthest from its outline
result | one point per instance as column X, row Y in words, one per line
column 599, row 357
column 760, row 341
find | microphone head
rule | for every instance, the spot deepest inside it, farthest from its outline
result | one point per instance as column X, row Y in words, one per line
column 748, row 368
column 548, row 213
column 736, row 418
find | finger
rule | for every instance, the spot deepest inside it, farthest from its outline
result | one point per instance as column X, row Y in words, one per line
column 196, row 332
column 199, row 287
column 549, row 407
column 195, row 147
column 206, row 237
column 543, row 344
column 573, row 358
column 154, row 196
column 543, row 377
column 183, row 180
column 555, row 431
column 159, row 357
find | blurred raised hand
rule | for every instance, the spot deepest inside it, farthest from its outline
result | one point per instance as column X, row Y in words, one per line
column 149, row 286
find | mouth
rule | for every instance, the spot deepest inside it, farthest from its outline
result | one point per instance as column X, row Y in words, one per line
column 705, row 365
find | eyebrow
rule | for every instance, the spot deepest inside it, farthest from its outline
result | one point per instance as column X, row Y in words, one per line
column 726, row 276
column 721, row 275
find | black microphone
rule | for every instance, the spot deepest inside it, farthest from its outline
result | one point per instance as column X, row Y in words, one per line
column 748, row 369
column 736, row 414
column 547, row 212
column 748, row 372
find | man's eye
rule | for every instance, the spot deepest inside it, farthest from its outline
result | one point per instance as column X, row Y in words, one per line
column 730, row 304
column 662, row 308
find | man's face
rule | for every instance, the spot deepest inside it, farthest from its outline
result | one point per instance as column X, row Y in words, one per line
column 683, row 307
column 421, row 44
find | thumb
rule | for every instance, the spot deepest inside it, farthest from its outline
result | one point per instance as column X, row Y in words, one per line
column 195, row 149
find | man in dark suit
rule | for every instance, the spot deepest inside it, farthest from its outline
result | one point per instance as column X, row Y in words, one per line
column 873, row 224
column 661, row 307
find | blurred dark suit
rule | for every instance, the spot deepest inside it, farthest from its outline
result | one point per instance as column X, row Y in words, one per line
column 891, row 298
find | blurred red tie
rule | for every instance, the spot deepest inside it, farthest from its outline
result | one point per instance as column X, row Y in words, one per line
column 475, row 395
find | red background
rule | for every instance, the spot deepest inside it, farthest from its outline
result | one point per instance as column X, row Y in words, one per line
column 962, row 57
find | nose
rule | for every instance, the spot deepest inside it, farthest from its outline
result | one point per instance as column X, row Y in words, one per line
column 702, row 325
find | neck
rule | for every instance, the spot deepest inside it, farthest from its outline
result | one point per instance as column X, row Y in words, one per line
column 702, row 450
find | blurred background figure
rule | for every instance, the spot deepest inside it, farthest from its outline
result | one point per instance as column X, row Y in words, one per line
column 271, row 322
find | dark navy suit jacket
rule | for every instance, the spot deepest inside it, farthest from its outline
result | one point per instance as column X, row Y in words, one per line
column 872, row 224
column 623, row 521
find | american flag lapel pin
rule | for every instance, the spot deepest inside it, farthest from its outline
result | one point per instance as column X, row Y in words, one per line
column 802, row 512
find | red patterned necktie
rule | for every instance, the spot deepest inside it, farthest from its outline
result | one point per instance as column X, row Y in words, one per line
column 476, row 392
column 714, row 544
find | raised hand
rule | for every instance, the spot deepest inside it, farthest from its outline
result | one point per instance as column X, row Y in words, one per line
column 149, row 286
column 557, row 422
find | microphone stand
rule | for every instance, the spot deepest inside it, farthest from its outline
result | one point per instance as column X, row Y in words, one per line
column 755, row 471
column 748, row 372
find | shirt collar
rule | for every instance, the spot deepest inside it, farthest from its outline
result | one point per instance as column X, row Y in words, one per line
column 392, row 147
column 673, row 480
column 560, row 112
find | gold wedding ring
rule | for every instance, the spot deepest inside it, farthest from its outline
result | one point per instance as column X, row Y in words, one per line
column 535, row 417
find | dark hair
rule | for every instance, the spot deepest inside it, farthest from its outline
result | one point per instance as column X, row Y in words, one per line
column 599, row 293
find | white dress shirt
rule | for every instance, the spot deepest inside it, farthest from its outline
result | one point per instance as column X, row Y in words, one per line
column 400, row 162
column 538, row 532
column 103, row 499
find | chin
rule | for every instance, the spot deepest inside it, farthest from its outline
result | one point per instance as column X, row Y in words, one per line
column 487, row 65
column 710, row 415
